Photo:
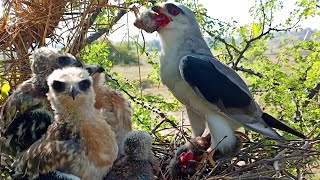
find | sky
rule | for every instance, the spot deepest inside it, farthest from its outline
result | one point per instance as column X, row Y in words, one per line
column 224, row 10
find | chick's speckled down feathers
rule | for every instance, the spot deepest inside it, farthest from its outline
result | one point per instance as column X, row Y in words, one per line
column 114, row 107
column 55, row 175
column 138, row 163
column 79, row 142
column 26, row 114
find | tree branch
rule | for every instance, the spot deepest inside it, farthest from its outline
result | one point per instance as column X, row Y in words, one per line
column 314, row 91
column 79, row 42
column 247, row 46
column 312, row 94
column 248, row 43
column 223, row 41
column 102, row 31
column 249, row 71
column 155, row 110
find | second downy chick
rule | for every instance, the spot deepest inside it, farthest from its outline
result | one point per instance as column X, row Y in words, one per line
column 138, row 163
column 114, row 107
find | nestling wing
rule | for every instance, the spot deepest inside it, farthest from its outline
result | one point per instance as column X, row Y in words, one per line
column 223, row 88
column 24, row 119
column 16, row 104
column 55, row 175
column 56, row 150
column 45, row 156
column 212, row 84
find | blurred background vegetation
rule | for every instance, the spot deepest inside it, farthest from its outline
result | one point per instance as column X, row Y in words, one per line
column 280, row 61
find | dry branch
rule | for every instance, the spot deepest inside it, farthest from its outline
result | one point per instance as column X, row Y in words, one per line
column 103, row 31
column 314, row 91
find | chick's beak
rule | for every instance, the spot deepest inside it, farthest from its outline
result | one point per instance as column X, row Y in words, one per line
column 73, row 92
column 92, row 69
column 78, row 63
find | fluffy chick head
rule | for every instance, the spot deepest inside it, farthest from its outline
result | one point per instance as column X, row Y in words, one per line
column 70, row 87
column 137, row 145
column 96, row 72
column 45, row 60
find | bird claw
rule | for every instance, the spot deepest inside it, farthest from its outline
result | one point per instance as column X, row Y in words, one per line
column 207, row 157
column 243, row 137
column 211, row 162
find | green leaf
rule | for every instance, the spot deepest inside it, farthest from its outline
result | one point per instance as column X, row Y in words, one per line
column 5, row 90
column 256, row 30
column 233, row 42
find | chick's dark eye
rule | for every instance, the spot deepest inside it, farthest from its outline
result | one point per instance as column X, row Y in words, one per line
column 84, row 85
column 58, row 86
column 64, row 61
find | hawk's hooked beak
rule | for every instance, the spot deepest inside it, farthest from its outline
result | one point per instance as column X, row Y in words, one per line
column 93, row 69
column 159, row 17
column 152, row 20
column 73, row 92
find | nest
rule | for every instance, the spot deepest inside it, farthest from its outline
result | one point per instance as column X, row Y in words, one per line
column 257, row 159
column 35, row 23
column 28, row 24
column 31, row 23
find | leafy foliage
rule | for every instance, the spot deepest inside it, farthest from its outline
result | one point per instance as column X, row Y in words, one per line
column 286, row 85
column 5, row 90
column 122, row 54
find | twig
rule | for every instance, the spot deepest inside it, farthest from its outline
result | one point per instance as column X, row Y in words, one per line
column 155, row 110
column 299, row 175
column 249, row 71
column 288, row 174
column 240, row 53
column 103, row 31
column 312, row 94
column 276, row 165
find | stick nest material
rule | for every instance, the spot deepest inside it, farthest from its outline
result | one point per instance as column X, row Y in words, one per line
column 258, row 159
column 25, row 26
column 28, row 24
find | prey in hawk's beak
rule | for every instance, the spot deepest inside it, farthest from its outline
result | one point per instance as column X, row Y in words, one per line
column 152, row 20
column 73, row 92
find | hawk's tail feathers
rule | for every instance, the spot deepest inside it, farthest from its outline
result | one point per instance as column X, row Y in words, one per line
column 273, row 122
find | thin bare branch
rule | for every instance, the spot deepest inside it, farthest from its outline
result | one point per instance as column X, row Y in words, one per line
column 143, row 104
column 249, row 71
column 103, row 31
column 314, row 91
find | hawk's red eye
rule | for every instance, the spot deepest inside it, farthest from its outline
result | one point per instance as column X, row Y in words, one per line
column 173, row 9
column 174, row 12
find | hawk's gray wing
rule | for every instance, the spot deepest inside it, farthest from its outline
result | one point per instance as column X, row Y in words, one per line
column 223, row 88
